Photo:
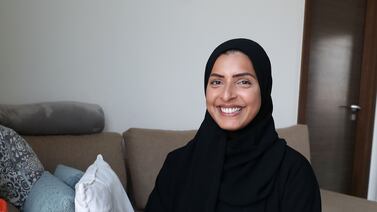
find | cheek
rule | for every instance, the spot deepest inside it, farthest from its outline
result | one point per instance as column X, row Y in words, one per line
column 210, row 103
column 253, row 98
column 210, row 97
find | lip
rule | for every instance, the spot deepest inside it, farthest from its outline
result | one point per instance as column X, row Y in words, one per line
column 232, row 114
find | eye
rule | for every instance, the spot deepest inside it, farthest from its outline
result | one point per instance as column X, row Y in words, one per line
column 215, row 83
column 244, row 83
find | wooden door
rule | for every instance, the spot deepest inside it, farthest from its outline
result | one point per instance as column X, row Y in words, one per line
column 336, row 71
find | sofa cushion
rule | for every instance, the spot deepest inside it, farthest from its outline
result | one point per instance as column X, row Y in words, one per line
column 337, row 202
column 146, row 150
column 80, row 151
column 50, row 194
column 297, row 137
column 20, row 168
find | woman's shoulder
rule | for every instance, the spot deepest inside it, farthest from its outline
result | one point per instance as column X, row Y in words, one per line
column 295, row 158
column 295, row 166
column 173, row 173
column 180, row 156
column 298, row 186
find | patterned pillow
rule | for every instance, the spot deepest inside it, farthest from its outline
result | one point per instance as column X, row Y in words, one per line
column 49, row 194
column 19, row 167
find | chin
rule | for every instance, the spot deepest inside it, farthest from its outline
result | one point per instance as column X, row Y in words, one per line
column 230, row 127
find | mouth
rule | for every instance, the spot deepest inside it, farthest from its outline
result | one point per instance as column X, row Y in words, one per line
column 230, row 111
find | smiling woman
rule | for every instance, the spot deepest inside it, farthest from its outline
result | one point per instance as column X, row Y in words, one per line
column 232, row 94
column 236, row 161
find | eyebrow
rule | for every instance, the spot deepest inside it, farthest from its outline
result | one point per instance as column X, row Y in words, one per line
column 234, row 76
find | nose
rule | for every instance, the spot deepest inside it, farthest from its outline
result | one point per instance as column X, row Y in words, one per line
column 228, row 93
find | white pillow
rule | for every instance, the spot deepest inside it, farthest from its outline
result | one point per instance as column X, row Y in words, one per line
column 101, row 190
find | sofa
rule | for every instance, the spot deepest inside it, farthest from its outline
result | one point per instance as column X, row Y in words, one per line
column 138, row 154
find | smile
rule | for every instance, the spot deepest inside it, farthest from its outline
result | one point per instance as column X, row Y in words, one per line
column 230, row 110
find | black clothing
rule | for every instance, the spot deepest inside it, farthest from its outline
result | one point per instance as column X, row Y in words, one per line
column 251, row 169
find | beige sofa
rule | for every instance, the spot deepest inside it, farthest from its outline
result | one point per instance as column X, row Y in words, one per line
column 138, row 156
column 79, row 152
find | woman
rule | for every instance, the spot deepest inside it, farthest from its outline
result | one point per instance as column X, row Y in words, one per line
column 236, row 161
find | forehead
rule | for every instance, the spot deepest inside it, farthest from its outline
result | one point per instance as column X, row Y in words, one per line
column 231, row 62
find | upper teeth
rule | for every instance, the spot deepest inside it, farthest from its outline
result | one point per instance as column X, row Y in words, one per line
column 230, row 109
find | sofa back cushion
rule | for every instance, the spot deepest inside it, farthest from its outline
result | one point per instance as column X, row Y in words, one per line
column 297, row 137
column 79, row 151
column 146, row 150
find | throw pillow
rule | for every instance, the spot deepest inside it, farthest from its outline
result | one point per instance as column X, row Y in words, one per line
column 101, row 190
column 68, row 175
column 53, row 118
column 50, row 194
column 20, row 168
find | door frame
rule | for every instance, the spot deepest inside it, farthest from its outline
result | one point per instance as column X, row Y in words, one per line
column 368, row 87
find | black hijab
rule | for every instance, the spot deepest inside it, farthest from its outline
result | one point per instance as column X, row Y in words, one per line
column 239, row 170
column 242, row 171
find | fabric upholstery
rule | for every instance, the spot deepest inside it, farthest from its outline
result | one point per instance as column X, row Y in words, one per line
column 80, row 151
column 20, row 167
column 146, row 150
column 50, row 194
column 297, row 137
column 68, row 175
column 145, row 160
column 52, row 118
column 337, row 202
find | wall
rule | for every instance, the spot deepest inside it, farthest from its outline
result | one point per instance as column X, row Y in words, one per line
column 372, row 188
column 143, row 62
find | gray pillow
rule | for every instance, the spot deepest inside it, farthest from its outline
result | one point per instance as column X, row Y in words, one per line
column 19, row 167
column 53, row 118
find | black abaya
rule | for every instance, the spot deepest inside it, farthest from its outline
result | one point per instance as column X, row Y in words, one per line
column 251, row 169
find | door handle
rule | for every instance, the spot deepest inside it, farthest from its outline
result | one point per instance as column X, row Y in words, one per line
column 353, row 108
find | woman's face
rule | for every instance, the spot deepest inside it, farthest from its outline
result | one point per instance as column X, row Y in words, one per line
column 233, row 94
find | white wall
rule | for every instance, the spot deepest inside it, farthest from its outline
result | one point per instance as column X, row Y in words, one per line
column 372, row 188
column 142, row 61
